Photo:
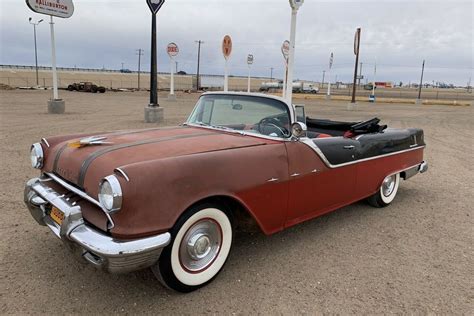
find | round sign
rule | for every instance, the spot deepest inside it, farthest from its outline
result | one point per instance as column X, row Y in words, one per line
column 227, row 46
column 296, row 4
column 285, row 49
column 172, row 50
column 250, row 59
column 59, row 8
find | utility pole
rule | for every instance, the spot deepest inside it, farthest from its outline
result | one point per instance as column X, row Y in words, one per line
column 356, row 52
column 322, row 83
column 36, row 50
column 140, row 54
column 122, row 66
column 360, row 74
column 198, row 64
column 421, row 82
column 271, row 74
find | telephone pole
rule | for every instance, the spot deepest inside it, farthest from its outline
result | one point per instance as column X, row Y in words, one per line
column 140, row 54
column 35, row 24
column 271, row 74
column 421, row 82
column 198, row 64
column 322, row 83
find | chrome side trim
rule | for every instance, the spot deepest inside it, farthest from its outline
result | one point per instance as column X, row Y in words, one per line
column 83, row 195
column 123, row 174
column 272, row 180
column 45, row 142
column 312, row 145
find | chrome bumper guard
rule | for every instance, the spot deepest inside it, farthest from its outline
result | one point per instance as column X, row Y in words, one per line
column 97, row 248
column 421, row 168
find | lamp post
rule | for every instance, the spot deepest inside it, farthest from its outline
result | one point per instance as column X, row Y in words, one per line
column 36, row 50
column 295, row 6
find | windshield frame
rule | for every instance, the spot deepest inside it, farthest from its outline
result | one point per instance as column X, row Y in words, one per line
column 289, row 111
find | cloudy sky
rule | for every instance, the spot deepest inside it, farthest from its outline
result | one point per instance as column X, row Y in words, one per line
column 398, row 34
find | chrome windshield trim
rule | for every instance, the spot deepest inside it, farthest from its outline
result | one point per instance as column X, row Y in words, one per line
column 307, row 141
column 83, row 195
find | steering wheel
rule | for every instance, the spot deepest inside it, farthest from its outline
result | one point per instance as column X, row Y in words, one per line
column 268, row 126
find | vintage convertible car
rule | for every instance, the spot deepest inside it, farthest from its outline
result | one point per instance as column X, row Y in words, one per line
column 170, row 198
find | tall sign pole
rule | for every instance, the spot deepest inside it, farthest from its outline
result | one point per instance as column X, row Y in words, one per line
column 249, row 63
column 356, row 52
column 331, row 59
column 61, row 9
column 226, row 51
column 172, row 50
column 152, row 113
column 285, row 50
column 295, row 6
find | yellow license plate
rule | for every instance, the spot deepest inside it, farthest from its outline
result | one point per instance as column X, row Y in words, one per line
column 57, row 215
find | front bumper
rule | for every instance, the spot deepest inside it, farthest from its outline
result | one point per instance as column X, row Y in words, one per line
column 97, row 248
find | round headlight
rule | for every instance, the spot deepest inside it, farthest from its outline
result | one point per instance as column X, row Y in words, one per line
column 37, row 156
column 110, row 194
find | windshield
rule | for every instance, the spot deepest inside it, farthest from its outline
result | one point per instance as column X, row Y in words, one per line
column 250, row 114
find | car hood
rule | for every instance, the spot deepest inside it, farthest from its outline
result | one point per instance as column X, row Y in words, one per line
column 85, row 166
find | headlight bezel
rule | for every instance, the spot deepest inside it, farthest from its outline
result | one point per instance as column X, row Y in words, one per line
column 37, row 150
column 113, row 202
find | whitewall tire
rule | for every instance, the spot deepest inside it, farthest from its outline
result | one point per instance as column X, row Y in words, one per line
column 387, row 191
column 201, row 243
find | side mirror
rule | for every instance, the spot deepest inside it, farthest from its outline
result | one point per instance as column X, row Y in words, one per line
column 299, row 129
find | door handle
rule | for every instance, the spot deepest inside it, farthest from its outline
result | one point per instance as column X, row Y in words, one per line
column 349, row 147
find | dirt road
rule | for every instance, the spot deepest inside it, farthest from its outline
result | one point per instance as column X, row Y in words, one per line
column 415, row 256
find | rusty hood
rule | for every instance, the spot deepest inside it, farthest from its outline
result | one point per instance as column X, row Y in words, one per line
column 84, row 166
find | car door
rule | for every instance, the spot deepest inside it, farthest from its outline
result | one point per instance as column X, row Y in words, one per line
column 314, row 187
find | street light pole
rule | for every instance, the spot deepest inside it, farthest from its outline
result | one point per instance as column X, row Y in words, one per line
column 140, row 54
column 271, row 74
column 295, row 5
column 36, row 50
column 198, row 63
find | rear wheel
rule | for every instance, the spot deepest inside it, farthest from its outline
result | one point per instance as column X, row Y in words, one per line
column 387, row 191
column 201, row 242
column 70, row 88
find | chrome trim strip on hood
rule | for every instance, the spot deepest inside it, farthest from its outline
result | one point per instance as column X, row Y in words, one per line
column 87, row 162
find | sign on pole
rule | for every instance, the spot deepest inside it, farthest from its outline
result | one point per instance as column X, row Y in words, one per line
column 227, row 46
column 250, row 59
column 155, row 5
column 172, row 50
column 249, row 62
column 356, row 52
column 356, row 41
column 58, row 8
column 226, row 51
column 285, row 50
column 331, row 59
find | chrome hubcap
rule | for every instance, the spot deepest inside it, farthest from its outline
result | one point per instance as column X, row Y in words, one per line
column 388, row 185
column 201, row 245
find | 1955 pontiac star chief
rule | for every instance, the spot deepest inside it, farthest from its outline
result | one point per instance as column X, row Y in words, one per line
column 169, row 198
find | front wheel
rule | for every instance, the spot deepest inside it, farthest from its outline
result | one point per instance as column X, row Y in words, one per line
column 387, row 191
column 201, row 242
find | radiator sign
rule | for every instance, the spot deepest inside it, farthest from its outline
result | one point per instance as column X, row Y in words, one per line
column 59, row 8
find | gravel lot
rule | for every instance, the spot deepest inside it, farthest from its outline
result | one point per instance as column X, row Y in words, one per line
column 415, row 256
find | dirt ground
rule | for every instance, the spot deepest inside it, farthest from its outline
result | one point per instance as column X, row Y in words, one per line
column 415, row 256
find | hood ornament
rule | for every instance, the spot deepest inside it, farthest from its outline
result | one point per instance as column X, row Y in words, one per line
column 89, row 141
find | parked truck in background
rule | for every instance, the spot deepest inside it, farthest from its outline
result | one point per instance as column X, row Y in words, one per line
column 298, row 87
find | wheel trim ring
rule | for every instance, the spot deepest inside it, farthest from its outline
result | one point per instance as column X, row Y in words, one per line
column 183, row 244
column 388, row 185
